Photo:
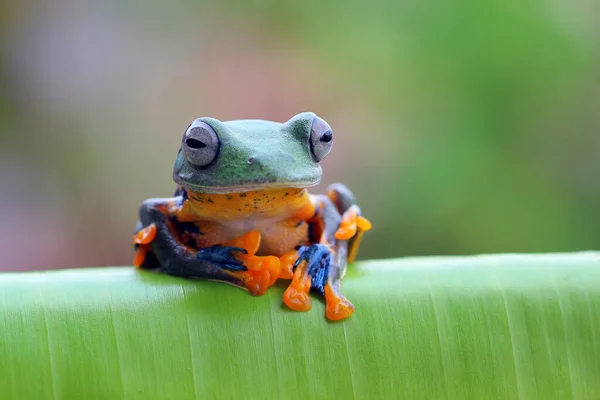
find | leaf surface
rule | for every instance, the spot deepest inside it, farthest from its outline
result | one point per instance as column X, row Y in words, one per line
column 498, row 326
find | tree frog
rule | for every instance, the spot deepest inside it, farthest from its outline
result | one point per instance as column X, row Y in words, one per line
column 241, row 213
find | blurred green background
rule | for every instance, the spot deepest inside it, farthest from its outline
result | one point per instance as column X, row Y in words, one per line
column 462, row 126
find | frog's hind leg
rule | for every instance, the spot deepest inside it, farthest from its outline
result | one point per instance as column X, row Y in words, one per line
column 353, row 224
column 341, row 196
column 337, row 306
column 311, row 270
column 319, row 266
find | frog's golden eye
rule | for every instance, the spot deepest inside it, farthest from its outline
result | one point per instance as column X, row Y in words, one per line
column 321, row 139
column 200, row 144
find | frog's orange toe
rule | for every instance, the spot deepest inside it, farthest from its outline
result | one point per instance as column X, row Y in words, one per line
column 352, row 223
column 140, row 256
column 262, row 273
column 249, row 242
column 346, row 231
column 256, row 283
column 296, row 295
column 347, row 227
column 338, row 307
column 272, row 265
column 145, row 235
column 363, row 224
column 287, row 264
column 338, row 311
column 297, row 300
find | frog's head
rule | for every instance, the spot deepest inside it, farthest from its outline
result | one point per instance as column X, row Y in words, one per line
column 245, row 155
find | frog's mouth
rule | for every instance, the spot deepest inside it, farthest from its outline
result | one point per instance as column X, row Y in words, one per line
column 246, row 186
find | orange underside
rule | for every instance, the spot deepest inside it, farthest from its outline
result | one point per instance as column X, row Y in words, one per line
column 259, row 203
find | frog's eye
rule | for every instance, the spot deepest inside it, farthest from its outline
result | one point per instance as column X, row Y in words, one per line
column 200, row 144
column 321, row 139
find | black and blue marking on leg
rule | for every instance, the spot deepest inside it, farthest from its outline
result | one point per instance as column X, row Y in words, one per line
column 318, row 263
column 222, row 256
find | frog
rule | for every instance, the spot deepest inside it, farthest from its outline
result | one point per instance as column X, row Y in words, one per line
column 241, row 213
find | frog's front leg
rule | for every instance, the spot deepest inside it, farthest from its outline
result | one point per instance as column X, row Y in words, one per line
column 322, row 265
column 233, row 262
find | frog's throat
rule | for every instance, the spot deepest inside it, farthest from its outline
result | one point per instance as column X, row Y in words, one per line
column 260, row 203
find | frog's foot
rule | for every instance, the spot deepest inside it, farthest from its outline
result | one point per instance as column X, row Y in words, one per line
column 142, row 240
column 296, row 295
column 261, row 272
column 352, row 222
column 310, row 266
column 352, row 227
column 337, row 306
column 311, row 269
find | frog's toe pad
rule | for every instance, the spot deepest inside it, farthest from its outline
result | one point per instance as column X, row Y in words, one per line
column 145, row 235
column 256, row 283
column 267, row 266
column 140, row 255
column 363, row 224
column 297, row 300
column 141, row 241
column 347, row 229
column 337, row 306
column 338, row 311
column 262, row 272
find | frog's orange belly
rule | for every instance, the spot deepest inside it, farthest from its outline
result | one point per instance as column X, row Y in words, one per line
column 282, row 241
column 277, row 236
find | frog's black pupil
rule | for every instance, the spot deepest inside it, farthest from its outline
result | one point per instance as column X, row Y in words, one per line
column 326, row 138
column 194, row 143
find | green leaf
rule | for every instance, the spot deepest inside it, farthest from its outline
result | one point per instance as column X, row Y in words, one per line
column 507, row 326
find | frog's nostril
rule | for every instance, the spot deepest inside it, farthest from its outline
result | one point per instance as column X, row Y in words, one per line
column 194, row 143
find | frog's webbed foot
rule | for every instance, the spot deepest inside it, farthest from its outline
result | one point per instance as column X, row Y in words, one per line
column 338, row 307
column 312, row 269
column 352, row 227
column 259, row 273
column 352, row 224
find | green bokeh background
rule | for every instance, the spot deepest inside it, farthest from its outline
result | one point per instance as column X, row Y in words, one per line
column 462, row 126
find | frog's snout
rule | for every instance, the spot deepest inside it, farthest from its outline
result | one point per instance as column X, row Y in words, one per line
column 266, row 163
column 261, row 170
column 258, row 162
